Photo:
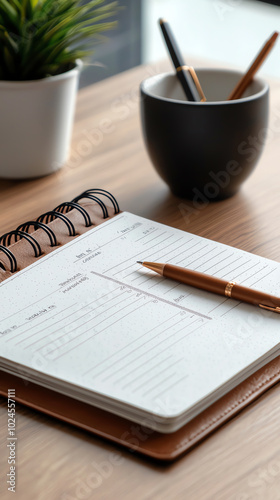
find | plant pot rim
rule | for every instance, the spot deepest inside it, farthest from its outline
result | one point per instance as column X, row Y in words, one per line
column 48, row 80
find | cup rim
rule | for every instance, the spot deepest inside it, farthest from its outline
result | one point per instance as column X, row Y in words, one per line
column 265, row 89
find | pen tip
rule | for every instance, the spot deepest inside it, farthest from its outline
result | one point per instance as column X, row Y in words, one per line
column 139, row 262
column 161, row 20
column 274, row 36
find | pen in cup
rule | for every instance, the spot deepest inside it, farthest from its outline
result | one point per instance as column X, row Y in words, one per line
column 240, row 88
column 186, row 74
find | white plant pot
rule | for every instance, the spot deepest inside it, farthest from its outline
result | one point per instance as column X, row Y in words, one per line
column 36, row 119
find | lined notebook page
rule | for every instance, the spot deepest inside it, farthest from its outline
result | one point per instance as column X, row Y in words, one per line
column 89, row 315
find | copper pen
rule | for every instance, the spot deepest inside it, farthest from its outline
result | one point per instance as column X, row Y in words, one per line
column 209, row 283
column 247, row 78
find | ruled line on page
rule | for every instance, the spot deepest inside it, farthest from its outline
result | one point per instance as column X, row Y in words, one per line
column 37, row 324
column 75, row 326
column 201, row 256
column 120, row 263
column 156, row 297
column 149, row 277
column 158, row 280
column 135, row 367
column 160, row 383
column 158, row 257
column 190, row 248
column 148, row 373
column 152, row 275
column 54, row 331
column 176, row 382
column 215, row 265
column 247, row 269
column 49, row 319
column 265, row 276
column 170, row 255
column 123, row 348
column 79, row 317
column 158, row 236
column 229, row 271
column 230, row 309
column 154, row 347
column 32, row 304
column 136, row 256
column 210, row 258
column 160, row 249
column 146, row 235
column 218, row 305
column 227, row 266
column 98, row 333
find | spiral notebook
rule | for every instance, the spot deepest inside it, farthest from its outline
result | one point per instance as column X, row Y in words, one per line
column 103, row 344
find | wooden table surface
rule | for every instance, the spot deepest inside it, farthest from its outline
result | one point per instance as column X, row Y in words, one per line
column 58, row 462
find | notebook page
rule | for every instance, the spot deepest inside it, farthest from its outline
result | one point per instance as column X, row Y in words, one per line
column 89, row 315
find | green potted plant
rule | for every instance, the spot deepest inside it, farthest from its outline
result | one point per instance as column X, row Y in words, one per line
column 42, row 46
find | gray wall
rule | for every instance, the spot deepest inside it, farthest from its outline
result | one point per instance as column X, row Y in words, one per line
column 122, row 50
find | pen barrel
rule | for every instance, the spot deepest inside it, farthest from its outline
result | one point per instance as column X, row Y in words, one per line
column 218, row 286
column 188, row 85
column 255, row 297
column 196, row 279
column 171, row 44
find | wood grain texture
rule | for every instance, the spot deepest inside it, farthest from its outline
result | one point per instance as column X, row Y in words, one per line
column 55, row 461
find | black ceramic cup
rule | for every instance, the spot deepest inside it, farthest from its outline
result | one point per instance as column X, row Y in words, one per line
column 204, row 149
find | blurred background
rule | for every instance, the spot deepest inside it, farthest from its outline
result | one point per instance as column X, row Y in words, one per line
column 228, row 32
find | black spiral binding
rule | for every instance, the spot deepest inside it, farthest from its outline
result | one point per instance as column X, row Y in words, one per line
column 6, row 239
column 11, row 257
column 108, row 195
column 51, row 215
column 94, row 198
column 26, row 225
column 42, row 223
column 69, row 205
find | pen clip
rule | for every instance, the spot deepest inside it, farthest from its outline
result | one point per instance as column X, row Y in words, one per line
column 195, row 79
column 269, row 308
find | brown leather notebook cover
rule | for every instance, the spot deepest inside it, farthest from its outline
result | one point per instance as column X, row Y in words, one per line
column 160, row 446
